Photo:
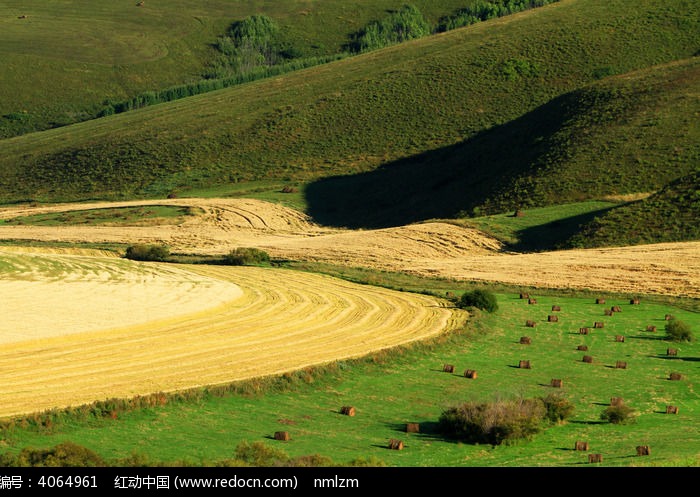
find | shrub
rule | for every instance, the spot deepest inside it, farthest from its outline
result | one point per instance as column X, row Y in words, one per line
column 66, row 454
column 481, row 299
column 493, row 423
column 259, row 454
column 247, row 256
column 557, row 408
column 678, row 331
column 144, row 252
column 618, row 414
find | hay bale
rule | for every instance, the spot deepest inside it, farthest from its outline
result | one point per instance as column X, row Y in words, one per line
column 524, row 365
column 643, row 450
column 588, row 359
column 347, row 410
column 518, row 213
column 598, row 324
column 675, row 376
column 525, row 340
column 524, row 295
column 619, row 338
column 600, row 301
column 530, row 323
column 412, row 428
column 620, row 365
column 616, row 401
column 557, row 383
column 608, row 312
column 616, row 308
column 582, row 347
column 634, row 301
column 556, row 308
column 671, row 409
column 552, row 318
column 651, row 328
column 531, row 301
column 594, row 458
column 282, row 435
column 668, row 317
column 672, row 352
column 395, row 444
column 470, row 373
column 581, row 445
column 584, row 331
column 448, row 368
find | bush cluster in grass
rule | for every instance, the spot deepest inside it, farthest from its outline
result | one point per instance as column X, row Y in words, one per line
column 618, row 414
column 503, row 421
column 247, row 256
column 481, row 299
column 65, row 454
column 679, row 331
column 147, row 252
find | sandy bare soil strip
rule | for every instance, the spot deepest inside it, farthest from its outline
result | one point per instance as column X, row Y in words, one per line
column 283, row 320
column 430, row 249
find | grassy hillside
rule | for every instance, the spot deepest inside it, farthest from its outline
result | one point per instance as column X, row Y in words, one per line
column 353, row 115
column 62, row 60
column 625, row 134
column 671, row 215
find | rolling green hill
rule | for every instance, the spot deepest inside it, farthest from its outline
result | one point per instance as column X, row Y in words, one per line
column 551, row 105
column 63, row 59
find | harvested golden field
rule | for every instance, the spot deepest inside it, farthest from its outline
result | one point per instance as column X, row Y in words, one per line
column 84, row 328
column 428, row 249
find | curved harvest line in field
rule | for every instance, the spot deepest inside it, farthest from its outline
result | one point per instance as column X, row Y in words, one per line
column 282, row 321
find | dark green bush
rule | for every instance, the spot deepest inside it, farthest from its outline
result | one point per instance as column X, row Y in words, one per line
column 558, row 408
column 618, row 414
column 247, row 256
column 144, row 252
column 481, row 299
column 493, row 423
column 679, row 331
column 66, row 454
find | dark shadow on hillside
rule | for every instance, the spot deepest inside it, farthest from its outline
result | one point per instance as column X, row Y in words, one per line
column 448, row 182
column 555, row 234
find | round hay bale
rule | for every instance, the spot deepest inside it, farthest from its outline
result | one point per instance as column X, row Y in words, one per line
column 282, row 435
column 525, row 340
column 672, row 352
column 530, row 323
column 524, row 365
column 588, row 359
column 581, row 445
column 595, row 458
column 347, row 410
column 412, row 427
column 470, row 373
column 671, row 409
column 675, row 376
column 395, row 444
column 619, row 338
column 643, row 450
column 582, row 347
column 448, row 368
column 584, row 331
column 600, row 301
column 598, row 324
column 556, row 308
column 531, row 301
column 621, row 365
column 552, row 318
column 557, row 383
column 651, row 328
column 634, row 301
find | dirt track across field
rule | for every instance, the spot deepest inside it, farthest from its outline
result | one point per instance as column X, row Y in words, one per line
column 428, row 249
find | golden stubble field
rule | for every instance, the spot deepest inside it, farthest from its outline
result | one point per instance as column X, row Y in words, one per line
column 80, row 325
